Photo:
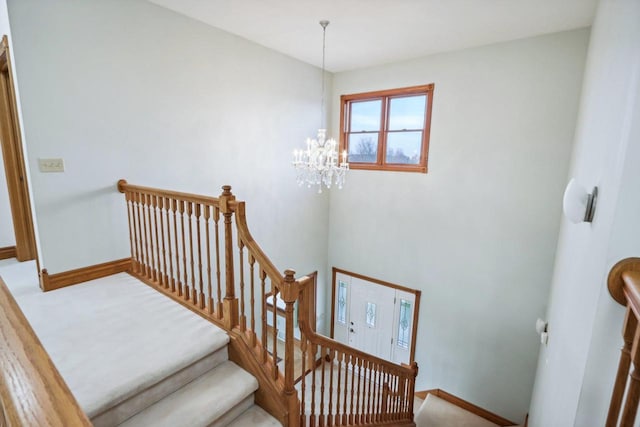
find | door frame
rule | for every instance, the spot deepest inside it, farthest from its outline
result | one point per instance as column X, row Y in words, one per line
column 14, row 164
column 416, row 306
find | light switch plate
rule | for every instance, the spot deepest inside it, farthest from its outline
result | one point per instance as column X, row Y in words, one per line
column 51, row 165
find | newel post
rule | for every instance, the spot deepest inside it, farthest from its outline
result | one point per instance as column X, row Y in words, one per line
column 289, row 292
column 230, row 303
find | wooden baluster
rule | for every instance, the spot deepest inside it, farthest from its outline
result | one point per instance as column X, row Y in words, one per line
column 628, row 332
column 274, row 349
column 207, row 216
column 252, row 261
column 359, row 392
column 263, row 277
column 353, row 361
column 374, row 373
column 134, row 207
column 312, row 415
column 396, row 395
column 345, row 393
column 158, row 261
column 323, row 351
column 185, row 278
column 136, row 238
column 175, row 208
column 147, row 256
column 152, row 268
column 243, row 317
column 127, row 198
column 200, row 281
column 330, row 410
column 369, row 371
column 230, row 304
column 633, row 390
column 191, row 290
column 376, row 394
column 172, row 280
column 165, row 268
column 303, row 383
column 216, row 218
column 339, row 358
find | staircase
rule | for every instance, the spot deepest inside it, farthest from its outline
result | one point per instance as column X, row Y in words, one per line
column 157, row 364
column 152, row 346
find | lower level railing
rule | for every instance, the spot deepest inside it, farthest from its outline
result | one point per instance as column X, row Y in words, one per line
column 198, row 250
column 624, row 287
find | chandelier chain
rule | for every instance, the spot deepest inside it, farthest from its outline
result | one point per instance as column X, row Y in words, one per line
column 324, row 37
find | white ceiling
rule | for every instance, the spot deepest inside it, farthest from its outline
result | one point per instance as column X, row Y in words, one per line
column 363, row 33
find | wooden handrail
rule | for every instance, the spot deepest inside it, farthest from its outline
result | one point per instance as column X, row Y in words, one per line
column 624, row 286
column 32, row 392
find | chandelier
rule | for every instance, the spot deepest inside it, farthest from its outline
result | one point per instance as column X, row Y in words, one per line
column 319, row 163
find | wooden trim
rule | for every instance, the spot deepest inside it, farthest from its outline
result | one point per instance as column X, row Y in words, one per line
column 385, row 96
column 84, row 274
column 461, row 403
column 8, row 252
column 32, row 391
column 416, row 305
column 14, row 164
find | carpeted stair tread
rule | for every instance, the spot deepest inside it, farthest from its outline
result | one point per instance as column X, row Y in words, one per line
column 202, row 402
column 255, row 417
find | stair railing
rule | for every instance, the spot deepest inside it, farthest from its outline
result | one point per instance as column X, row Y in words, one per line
column 624, row 287
column 32, row 392
column 186, row 246
column 345, row 386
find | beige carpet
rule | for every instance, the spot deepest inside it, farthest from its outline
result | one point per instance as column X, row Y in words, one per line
column 130, row 336
column 436, row 412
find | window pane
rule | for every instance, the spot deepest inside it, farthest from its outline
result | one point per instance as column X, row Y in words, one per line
column 407, row 112
column 363, row 148
column 365, row 116
column 403, row 324
column 403, row 147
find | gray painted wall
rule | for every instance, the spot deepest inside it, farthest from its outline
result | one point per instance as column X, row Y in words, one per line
column 478, row 233
column 576, row 371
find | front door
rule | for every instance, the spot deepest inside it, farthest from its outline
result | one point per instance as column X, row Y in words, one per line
column 374, row 317
column 371, row 318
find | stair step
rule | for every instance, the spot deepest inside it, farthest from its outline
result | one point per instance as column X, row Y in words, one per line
column 255, row 417
column 147, row 397
column 214, row 399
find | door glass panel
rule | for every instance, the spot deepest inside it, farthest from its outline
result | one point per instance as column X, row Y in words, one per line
column 403, row 324
column 371, row 314
column 342, row 302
